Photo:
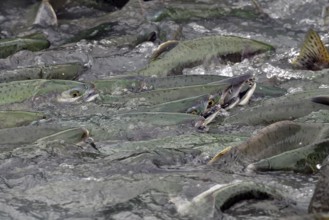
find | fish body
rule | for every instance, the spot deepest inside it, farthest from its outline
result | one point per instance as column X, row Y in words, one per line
column 11, row 46
column 284, row 145
column 122, row 85
column 10, row 119
column 193, row 52
column 282, row 108
column 67, row 71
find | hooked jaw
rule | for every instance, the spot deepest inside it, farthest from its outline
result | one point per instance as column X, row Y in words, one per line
column 236, row 85
column 247, row 96
column 231, row 97
column 202, row 123
column 234, row 95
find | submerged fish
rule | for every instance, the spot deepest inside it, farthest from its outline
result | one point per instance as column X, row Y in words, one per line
column 9, row 119
column 34, row 42
column 61, row 90
column 284, row 145
column 313, row 54
column 219, row 198
column 288, row 107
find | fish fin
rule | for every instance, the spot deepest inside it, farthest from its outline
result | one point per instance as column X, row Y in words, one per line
column 46, row 15
column 219, row 155
column 313, row 54
column 164, row 47
column 321, row 100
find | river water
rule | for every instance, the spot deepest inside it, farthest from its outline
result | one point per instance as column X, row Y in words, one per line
column 148, row 184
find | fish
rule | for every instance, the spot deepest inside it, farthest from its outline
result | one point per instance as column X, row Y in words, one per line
column 284, row 145
column 85, row 92
column 34, row 42
column 133, row 126
column 134, row 84
column 219, row 198
column 288, row 107
column 9, row 119
column 67, row 71
column 194, row 52
column 63, row 90
column 313, row 54
column 235, row 95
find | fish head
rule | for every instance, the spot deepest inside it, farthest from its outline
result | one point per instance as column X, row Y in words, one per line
column 213, row 100
column 198, row 109
column 85, row 92
column 208, row 117
column 238, row 92
column 313, row 54
column 210, row 111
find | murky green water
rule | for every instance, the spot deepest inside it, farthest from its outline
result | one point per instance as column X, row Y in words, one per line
column 132, row 179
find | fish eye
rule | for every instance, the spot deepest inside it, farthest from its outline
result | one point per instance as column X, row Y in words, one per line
column 75, row 93
column 211, row 103
column 194, row 112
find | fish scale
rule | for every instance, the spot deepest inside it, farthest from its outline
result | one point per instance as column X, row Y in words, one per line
column 17, row 91
column 10, row 119
column 281, row 108
column 137, row 84
column 193, row 52
column 165, row 95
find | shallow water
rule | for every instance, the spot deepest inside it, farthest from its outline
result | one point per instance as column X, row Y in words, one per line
column 60, row 181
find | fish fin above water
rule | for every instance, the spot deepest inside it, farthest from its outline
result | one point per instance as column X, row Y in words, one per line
column 164, row 47
column 321, row 100
column 46, row 15
column 313, row 54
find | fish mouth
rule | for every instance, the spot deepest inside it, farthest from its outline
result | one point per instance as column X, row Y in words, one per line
column 91, row 95
column 245, row 96
column 238, row 94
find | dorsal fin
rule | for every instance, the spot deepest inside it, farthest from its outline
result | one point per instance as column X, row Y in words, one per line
column 313, row 54
column 321, row 100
